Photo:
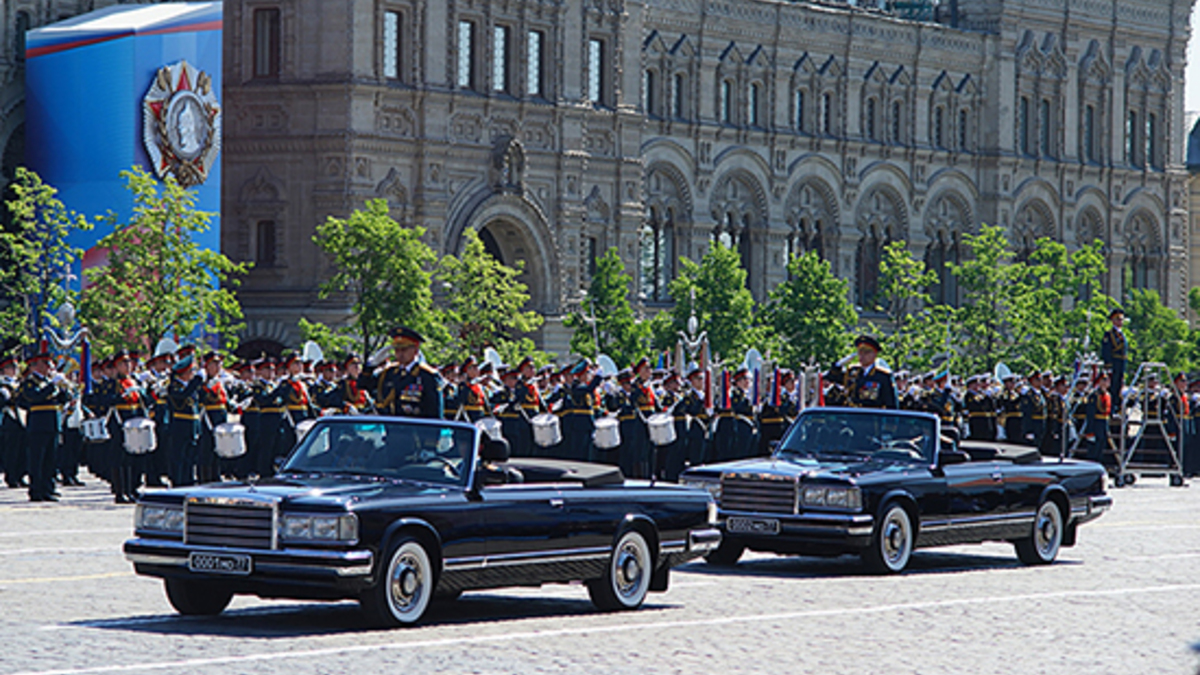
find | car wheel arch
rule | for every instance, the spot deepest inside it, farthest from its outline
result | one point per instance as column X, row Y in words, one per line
column 1059, row 496
column 907, row 501
column 420, row 530
column 644, row 526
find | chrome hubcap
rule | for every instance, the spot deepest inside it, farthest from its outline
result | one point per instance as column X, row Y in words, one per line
column 1047, row 530
column 895, row 539
column 406, row 582
column 629, row 570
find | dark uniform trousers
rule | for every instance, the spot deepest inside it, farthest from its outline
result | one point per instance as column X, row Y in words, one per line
column 12, row 436
column 43, row 401
column 185, row 431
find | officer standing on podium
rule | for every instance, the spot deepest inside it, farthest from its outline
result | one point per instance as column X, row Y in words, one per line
column 1114, row 350
column 409, row 388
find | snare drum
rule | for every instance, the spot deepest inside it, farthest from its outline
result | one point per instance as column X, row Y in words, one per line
column 230, row 440
column 607, row 435
column 139, row 436
column 490, row 426
column 303, row 428
column 662, row 429
column 546, row 430
column 95, row 430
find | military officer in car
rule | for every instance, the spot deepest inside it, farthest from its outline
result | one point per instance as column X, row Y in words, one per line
column 871, row 386
column 408, row 387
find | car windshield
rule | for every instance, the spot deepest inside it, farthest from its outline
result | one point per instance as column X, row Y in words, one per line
column 430, row 453
column 877, row 434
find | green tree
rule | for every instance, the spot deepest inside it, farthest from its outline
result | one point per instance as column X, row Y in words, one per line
column 724, row 306
column 484, row 305
column 35, row 259
column 158, row 280
column 810, row 314
column 903, row 286
column 616, row 329
column 385, row 270
column 985, row 279
column 1156, row 332
column 333, row 342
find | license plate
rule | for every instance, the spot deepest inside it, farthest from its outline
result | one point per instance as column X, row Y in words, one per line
column 219, row 563
column 739, row 525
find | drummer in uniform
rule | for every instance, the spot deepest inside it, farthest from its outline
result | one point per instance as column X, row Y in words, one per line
column 1010, row 410
column 578, row 410
column 872, row 385
column 529, row 401
column 643, row 398
column 696, row 413
column 128, row 402
column 671, row 457
column 42, row 394
column 158, row 379
column 183, row 395
column 451, row 398
column 12, row 428
column 215, row 401
column 474, row 400
column 407, row 387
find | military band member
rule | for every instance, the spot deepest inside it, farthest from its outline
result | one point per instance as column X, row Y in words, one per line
column 672, row 458
column 871, row 386
column 1010, row 410
column 127, row 401
column 578, row 408
column 1099, row 407
column 271, row 419
column 42, row 395
column 474, row 400
column 1056, row 411
column 214, row 400
column 407, row 387
column 12, row 428
column 638, row 449
column 158, row 378
column 349, row 397
column 981, row 410
column 772, row 419
column 940, row 401
column 183, row 396
column 451, row 398
column 698, row 420
column 1033, row 411
column 1114, row 350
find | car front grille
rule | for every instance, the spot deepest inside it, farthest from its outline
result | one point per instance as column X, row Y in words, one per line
column 758, row 493
column 230, row 526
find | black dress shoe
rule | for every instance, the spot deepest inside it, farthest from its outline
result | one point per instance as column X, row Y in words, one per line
column 121, row 499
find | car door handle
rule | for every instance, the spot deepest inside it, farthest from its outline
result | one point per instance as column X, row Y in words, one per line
column 556, row 503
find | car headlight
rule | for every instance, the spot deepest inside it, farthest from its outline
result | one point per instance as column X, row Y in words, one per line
column 320, row 528
column 832, row 497
column 709, row 485
column 153, row 517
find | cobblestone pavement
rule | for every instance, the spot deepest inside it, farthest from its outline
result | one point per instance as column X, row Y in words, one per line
column 1126, row 600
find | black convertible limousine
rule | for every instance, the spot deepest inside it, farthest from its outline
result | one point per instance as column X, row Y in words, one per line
column 398, row 512
column 880, row 483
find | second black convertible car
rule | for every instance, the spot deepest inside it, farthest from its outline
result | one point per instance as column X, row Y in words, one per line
column 881, row 483
column 396, row 512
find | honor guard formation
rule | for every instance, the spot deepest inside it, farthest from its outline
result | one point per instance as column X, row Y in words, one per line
column 181, row 417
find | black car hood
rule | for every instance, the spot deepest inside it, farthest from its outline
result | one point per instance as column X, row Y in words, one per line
column 322, row 491
column 815, row 469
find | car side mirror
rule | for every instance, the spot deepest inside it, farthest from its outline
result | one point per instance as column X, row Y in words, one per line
column 947, row 458
column 277, row 463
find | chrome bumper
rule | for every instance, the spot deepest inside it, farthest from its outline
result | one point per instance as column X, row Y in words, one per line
column 702, row 542
column 288, row 562
column 855, row 526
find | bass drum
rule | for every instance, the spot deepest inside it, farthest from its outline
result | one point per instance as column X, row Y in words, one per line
column 230, row 440
column 662, row 429
column 139, row 436
column 546, row 430
column 607, row 435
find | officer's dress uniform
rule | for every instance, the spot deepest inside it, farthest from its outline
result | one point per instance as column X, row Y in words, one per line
column 1010, row 416
column 1051, row 444
column 270, row 439
column 410, row 391
column 1114, row 351
column 43, row 399
column 578, row 423
column 696, row 428
column 1033, row 417
column 872, row 388
column 637, row 453
column 215, row 401
column 127, row 469
column 1099, row 409
column 293, row 391
column 745, row 440
column 100, row 454
column 12, row 434
column 184, row 399
column 349, row 398
column 529, row 400
column 943, row 404
column 771, row 424
column 981, row 416
column 157, row 462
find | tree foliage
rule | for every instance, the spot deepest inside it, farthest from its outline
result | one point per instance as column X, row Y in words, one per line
column 485, row 305
column 724, row 306
column 810, row 313
column 985, row 280
column 616, row 330
column 383, row 268
column 904, row 283
column 1156, row 332
column 158, row 280
column 35, row 258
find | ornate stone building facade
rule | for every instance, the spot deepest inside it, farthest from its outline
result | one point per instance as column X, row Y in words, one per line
column 559, row 128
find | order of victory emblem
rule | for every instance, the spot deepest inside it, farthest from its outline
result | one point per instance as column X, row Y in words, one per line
column 182, row 123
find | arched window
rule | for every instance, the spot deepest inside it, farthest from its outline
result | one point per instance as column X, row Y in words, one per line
column 964, row 130
column 808, row 213
column 23, row 23
column 265, row 244
column 800, row 110
column 656, row 255
column 897, row 123
column 1045, row 129
column 753, row 107
column 879, row 219
column 738, row 208
column 726, row 102
column 1089, row 133
column 1131, row 139
column 1023, row 139
column 870, row 122
column 827, row 113
column 650, row 93
column 939, row 127
column 678, row 94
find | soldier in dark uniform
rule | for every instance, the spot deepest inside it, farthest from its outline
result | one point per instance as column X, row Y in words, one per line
column 266, row 401
column 42, row 395
column 981, row 410
column 940, row 401
column 183, row 395
column 292, row 390
column 1114, row 350
column 528, row 401
column 1056, row 410
column 644, row 399
column 772, row 421
column 872, row 385
column 127, row 402
column 745, row 441
column 633, row 431
column 578, row 411
column 1010, row 411
column 1077, row 405
column 1191, row 442
column 1033, row 411
column 12, row 429
column 348, row 397
column 451, row 397
column 407, row 387
column 672, row 457
column 1099, row 410
column 215, row 401
column 474, row 400
column 698, row 421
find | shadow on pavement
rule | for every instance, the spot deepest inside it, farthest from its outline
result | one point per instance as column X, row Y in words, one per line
column 308, row 619
column 799, row 567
